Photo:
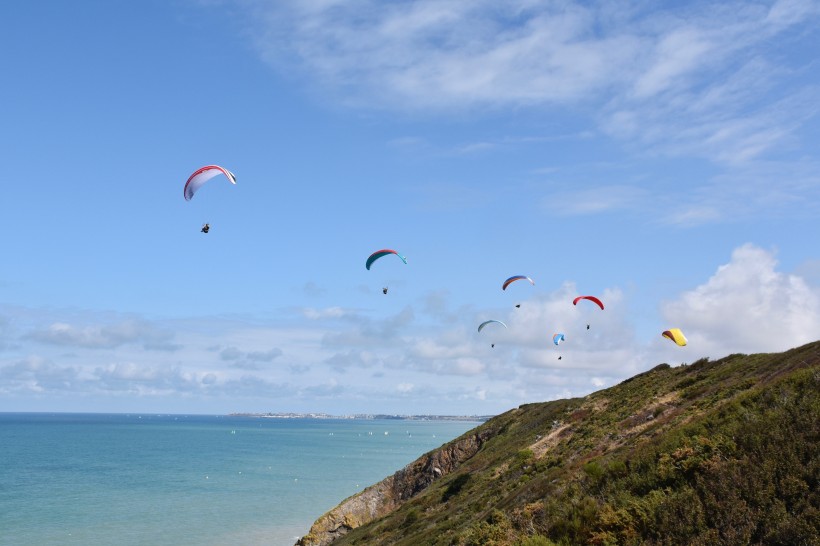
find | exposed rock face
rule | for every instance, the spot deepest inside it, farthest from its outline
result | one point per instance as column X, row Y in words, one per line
column 387, row 495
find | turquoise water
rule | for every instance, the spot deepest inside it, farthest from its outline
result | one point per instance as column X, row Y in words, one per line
column 88, row 479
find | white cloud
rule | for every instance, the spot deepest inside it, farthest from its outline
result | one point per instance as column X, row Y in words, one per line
column 352, row 358
column 677, row 54
column 747, row 306
column 250, row 360
column 711, row 80
column 230, row 353
column 264, row 356
column 593, row 200
column 370, row 332
column 747, row 192
column 435, row 54
column 327, row 313
column 105, row 337
column 788, row 12
column 466, row 366
column 810, row 270
column 405, row 388
column 37, row 374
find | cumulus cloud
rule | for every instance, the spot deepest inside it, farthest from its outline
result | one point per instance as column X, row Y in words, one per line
column 437, row 357
column 747, row 306
column 230, row 353
column 248, row 360
column 141, row 379
column 368, row 332
column 810, row 270
column 36, row 374
column 353, row 358
column 105, row 337
column 138, row 380
column 264, row 356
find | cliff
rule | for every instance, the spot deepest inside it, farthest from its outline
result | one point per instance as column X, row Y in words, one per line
column 722, row 452
column 384, row 497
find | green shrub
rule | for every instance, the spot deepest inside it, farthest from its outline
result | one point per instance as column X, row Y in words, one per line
column 411, row 517
column 455, row 487
column 594, row 471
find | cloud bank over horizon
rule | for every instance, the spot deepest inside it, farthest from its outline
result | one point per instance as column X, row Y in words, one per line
column 351, row 361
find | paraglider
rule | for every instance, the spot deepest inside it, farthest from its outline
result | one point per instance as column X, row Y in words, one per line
column 675, row 335
column 558, row 339
column 593, row 299
column 379, row 253
column 491, row 321
column 198, row 178
column 514, row 278
column 202, row 175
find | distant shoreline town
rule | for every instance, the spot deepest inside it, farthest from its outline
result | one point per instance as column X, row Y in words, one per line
column 366, row 416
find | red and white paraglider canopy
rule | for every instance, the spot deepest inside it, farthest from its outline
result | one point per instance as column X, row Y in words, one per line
column 202, row 175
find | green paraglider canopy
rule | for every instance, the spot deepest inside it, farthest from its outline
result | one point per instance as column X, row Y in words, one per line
column 379, row 253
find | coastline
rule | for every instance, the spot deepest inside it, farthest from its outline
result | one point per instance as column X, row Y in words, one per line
column 366, row 416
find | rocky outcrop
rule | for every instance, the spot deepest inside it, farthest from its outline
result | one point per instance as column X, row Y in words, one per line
column 381, row 499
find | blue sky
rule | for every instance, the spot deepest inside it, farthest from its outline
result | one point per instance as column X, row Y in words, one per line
column 663, row 158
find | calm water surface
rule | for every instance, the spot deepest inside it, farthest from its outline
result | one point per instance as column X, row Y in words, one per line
column 100, row 479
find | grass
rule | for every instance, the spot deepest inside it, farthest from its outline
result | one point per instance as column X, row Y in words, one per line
column 716, row 452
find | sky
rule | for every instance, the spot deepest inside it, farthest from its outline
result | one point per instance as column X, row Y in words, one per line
column 662, row 156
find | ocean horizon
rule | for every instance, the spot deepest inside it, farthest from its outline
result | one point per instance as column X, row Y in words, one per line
column 95, row 479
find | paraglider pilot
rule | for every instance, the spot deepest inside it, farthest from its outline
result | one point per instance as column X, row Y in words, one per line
column 384, row 290
column 205, row 228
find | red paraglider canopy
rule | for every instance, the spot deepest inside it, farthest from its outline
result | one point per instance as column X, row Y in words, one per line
column 593, row 299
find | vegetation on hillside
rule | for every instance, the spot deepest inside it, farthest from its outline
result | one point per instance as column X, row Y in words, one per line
column 723, row 452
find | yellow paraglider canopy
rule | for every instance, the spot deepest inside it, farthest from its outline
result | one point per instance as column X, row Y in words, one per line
column 675, row 335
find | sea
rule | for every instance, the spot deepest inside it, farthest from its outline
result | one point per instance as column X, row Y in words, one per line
column 128, row 479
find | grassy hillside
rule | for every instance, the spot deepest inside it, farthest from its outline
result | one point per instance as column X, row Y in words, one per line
column 724, row 452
